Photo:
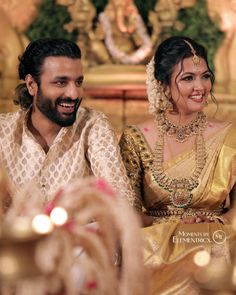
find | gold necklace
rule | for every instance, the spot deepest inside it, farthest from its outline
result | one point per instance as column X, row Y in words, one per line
column 183, row 132
column 180, row 189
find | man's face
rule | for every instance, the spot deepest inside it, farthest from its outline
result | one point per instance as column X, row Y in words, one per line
column 60, row 91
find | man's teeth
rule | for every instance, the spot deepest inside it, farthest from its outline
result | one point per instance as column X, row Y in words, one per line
column 64, row 105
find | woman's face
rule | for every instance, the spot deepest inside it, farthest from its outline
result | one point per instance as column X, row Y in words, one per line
column 190, row 86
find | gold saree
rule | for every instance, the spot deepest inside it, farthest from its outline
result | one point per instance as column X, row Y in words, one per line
column 169, row 242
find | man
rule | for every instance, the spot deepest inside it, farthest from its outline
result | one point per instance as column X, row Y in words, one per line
column 50, row 140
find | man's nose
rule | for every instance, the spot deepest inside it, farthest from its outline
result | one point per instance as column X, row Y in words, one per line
column 73, row 91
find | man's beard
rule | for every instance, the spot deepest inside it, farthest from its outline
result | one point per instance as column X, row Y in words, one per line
column 48, row 107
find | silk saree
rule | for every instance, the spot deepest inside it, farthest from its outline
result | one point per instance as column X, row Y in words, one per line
column 169, row 241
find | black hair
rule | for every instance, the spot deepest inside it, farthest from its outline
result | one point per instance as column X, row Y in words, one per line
column 172, row 51
column 32, row 60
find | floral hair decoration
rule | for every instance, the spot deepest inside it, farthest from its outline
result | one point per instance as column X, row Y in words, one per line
column 155, row 92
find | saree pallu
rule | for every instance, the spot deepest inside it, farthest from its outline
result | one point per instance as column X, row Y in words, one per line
column 170, row 244
column 170, row 250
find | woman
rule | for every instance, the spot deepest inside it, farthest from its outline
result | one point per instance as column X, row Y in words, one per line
column 182, row 165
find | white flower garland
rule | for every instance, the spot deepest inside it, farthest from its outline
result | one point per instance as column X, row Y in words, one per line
column 156, row 97
column 119, row 55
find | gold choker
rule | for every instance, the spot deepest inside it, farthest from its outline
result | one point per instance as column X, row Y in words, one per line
column 183, row 132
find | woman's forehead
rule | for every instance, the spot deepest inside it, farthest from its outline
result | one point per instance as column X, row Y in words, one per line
column 187, row 65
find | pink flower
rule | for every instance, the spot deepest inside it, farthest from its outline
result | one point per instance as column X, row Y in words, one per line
column 70, row 225
column 102, row 185
column 50, row 206
column 91, row 285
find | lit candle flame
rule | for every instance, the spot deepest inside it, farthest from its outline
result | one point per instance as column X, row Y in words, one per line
column 59, row 216
column 42, row 224
column 202, row 258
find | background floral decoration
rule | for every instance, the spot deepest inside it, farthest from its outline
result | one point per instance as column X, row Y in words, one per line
column 52, row 17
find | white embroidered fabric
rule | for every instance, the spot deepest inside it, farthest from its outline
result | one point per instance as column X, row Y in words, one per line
column 89, row 147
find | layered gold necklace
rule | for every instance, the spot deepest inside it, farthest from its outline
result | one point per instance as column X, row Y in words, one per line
column 180, row 189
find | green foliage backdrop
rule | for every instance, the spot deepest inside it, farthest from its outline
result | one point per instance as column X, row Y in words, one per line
column 50, row 22
column 198, row 26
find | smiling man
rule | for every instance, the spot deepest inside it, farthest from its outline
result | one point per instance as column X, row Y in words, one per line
column 51, row 140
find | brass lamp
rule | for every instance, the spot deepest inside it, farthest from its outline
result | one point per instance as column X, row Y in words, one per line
column 17, row 251
column 18, row 241
column 219, row 277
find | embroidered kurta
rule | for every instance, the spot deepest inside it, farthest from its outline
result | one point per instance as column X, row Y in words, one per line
column 88, row 147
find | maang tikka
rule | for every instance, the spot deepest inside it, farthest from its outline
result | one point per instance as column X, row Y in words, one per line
column 196, row 59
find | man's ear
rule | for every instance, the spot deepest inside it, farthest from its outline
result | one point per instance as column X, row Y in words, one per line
column 31, row 85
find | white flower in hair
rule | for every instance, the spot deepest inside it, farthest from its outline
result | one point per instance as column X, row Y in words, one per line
column 158, row 101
